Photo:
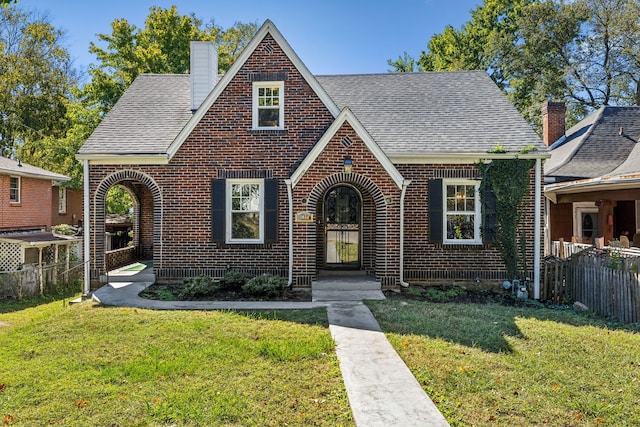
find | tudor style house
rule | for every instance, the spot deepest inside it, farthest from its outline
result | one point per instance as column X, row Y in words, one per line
column 593, row 175
column 269, row 168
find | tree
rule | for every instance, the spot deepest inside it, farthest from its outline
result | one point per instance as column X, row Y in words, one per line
column 162, row 46
column 57, row 154
column 118, row 201
column 584, row 52
column 35, row 81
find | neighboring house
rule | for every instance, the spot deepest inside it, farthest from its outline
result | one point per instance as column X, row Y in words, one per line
column 593, row 175
column 272, row 169
column 26, row 214
column 66, row 206
column 27, row 196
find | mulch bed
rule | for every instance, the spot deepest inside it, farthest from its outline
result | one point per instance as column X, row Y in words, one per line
column 169, row 292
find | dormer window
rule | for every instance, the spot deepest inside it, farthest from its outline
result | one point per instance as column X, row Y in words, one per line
column 268, row 105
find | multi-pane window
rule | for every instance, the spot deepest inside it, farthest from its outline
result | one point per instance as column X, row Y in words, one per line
column 462, row 211
column 14, row 189
column 62, row 200
column 268, row 105
column 245, row 214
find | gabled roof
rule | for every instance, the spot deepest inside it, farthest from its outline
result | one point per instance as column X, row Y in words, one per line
column 438, row 112
column 145, row 120
column 346, row 116
column 594, row 147
column 17, row 168
column 408, row 115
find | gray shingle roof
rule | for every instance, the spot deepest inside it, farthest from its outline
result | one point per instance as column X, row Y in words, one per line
column 13, row 167
column 594, row 147
column 460, row 111
column 146, row 119
column 403, row 112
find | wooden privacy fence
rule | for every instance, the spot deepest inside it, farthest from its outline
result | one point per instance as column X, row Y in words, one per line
column 605, row 280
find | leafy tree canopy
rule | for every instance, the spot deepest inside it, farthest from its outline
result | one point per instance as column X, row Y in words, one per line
column 584, row 52
column 36, row 80
column 162, row 46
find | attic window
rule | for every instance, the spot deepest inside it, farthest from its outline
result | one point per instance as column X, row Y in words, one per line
column 268, row 105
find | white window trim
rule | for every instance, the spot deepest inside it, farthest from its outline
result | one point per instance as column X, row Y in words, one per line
column 229, row 211
column 280, row 86
column 477, row 240
column 580, row 208
column 19, row 192
column 62, row 200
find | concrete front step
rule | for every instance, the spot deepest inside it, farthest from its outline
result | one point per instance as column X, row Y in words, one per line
column 355, row 287
column 337, row 295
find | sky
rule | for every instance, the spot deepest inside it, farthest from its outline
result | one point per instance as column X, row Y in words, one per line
column 330, row 36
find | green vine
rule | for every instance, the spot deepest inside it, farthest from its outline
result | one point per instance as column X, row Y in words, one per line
column 509, row 180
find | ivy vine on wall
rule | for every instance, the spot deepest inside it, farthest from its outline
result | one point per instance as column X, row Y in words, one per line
column 508, row 179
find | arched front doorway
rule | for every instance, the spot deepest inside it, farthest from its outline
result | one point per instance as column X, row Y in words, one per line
column 147, row 223
column 342, row 228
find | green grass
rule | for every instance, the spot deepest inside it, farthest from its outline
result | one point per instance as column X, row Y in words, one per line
column 491, row 365
column 135, row 267
column 89, row 365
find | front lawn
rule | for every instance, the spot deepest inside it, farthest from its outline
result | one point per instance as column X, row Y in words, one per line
column 88, row 365
column 493, row 365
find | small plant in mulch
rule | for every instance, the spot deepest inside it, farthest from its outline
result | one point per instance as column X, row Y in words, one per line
column 233, row 286
column 265, row 285
column 234, row 280
column 196, row 287
column 458, row 294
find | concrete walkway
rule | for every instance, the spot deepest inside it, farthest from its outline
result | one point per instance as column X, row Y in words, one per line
column 381, row 389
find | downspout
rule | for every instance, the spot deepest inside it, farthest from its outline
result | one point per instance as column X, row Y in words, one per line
column 290, row 199
column 85, row 225
column 536, row 231
column 405, row 183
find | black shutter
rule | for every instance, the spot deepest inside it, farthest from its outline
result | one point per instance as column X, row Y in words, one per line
column 489, row 218
column 435, row 211
column 218, row 201
column 270, row 210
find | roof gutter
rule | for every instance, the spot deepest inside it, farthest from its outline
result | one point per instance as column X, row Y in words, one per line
column 56, row 177
column 551, row 191
column 449, row 157
column 125, row 159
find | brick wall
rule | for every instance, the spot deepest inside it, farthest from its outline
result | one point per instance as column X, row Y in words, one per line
column 184, row 219
column 34, row 207
column 74, row 207
column 175, row 203
column 429, row 262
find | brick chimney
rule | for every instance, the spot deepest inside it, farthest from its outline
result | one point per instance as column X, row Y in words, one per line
column 553, row 121
column 204, row 71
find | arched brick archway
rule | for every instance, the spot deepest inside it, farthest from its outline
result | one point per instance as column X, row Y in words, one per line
column 374, row 224
column 145, row 189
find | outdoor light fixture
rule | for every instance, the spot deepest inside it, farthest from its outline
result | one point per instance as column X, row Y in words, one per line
column 348, row 164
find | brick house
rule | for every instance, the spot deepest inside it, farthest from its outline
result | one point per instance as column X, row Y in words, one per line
column 269, row 168
column 593, row 175
column 27, row 195
column 29, row 206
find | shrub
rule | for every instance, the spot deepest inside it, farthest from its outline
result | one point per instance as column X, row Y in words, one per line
column 200, row 286
column 234, row 280
column 64, row 230
column 265, row 285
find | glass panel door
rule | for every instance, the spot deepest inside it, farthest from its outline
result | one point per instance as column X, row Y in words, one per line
column 342, row 228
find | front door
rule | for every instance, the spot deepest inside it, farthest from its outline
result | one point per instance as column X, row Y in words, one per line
column 342, row 228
